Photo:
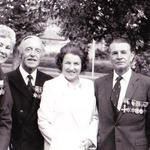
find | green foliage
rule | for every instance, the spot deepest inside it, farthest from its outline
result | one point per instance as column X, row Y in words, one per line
column 142, row 64
column 25, row 16
column 84, row 19
column 80, row 19
column 104, row 55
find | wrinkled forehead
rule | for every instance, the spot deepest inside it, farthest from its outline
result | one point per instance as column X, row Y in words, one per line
column 6, row 41
column 32, row 41
column 119, row 46
column 4, row 38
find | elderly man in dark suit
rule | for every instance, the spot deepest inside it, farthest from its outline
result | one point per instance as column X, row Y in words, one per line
column 123, row 99
column 26, row 87
column 7, row 42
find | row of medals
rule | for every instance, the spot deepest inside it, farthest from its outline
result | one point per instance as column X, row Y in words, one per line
column 134, row 106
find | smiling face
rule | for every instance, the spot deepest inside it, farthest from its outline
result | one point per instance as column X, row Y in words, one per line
column 6, row 49
column 121, row 56
column 71, row 67
column 31, row 52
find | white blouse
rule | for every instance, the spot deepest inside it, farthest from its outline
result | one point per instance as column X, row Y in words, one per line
column 67, row 115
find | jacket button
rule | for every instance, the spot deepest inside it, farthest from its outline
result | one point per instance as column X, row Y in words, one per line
column 116, row 124
column 21, row 111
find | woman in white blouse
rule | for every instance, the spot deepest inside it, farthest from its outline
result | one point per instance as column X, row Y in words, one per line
column 67, row 116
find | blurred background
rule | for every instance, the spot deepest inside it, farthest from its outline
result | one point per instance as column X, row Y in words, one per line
column 91, row 23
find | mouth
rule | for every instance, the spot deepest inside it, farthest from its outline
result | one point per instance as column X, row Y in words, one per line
column 119, row 63
column 32, row 59
column 71, row 72
column 3, row 56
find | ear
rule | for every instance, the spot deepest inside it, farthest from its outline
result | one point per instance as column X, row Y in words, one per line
column 11, row 51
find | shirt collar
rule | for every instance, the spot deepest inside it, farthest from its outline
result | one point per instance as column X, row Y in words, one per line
column 126, row 76
column 69, row 85
column 25, row 74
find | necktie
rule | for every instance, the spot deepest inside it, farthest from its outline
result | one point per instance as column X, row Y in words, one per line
column 1, row 74
column 29, row 85
column 115, row 94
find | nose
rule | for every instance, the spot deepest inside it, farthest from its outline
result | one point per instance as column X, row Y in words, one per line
column 33, row 53
column 119, row 56
column 2, row 49
column 71, row 66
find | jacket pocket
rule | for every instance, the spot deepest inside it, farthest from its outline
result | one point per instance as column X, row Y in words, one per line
column 140, row 142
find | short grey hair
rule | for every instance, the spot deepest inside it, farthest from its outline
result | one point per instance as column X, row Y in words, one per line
column 20, row 46
column 7, row 32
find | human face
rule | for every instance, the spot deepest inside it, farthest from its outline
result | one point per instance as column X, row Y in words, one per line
column 71, row 67
column 121, row 56
column 31, row 53
column 6, row 49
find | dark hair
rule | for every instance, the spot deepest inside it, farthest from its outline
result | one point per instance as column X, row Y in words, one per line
column 72, row 48
column 121, row 40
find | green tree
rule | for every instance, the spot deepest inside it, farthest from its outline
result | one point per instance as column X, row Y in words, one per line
column 84, row 19
column 95, row 19
column 25, row 16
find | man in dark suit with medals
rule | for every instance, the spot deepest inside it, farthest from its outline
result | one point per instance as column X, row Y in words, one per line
column 26, row 84
column 7, row 42
column 123, row 99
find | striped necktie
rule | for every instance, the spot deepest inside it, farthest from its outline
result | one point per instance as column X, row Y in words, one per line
column 115, row 95
column 29, row 85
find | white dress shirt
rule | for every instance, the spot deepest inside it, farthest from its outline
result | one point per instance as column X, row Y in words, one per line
column 124, row 84
column 25, row 75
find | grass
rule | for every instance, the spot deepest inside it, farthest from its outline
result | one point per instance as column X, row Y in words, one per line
column 49, row 66
column 101, row 66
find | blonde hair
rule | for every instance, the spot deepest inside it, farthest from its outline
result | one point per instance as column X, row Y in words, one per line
column 7, row 32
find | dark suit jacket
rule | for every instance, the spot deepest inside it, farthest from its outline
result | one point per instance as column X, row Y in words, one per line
column 5, row 114
column 131, row 131
column 25, row 132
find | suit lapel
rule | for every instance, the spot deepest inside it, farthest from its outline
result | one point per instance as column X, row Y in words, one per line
column 131, row 89
column 39, row 78
column 106, row 94
column 19, row 83
column 133, row 84
column 36, row 101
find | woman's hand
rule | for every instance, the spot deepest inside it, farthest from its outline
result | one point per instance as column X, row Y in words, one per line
column 88, row 145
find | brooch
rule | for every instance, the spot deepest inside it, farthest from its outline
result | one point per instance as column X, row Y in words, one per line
column 37, row 91
column 2, row 91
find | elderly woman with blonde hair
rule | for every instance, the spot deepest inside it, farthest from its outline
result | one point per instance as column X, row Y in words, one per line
column 7, row 42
